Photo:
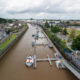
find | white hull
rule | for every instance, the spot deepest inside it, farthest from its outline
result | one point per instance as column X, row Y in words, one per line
column 29, row 61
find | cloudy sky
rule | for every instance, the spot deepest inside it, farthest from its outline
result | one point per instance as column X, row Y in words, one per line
column 49, row 9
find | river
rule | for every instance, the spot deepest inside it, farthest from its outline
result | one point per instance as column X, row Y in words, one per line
column 12, row 65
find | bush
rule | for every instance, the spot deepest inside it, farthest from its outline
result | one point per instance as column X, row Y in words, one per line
column 47, row 25
column 60, row 43
column 49, row 34
column 64, row 41
column 72, row 34
column 69, row 39
column 65, row 32
column 55, row 29
column 76, row 43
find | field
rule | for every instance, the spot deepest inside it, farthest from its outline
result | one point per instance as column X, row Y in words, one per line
column 77, row 31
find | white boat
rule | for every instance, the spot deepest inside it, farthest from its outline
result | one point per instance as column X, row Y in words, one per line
column 59, row 61
column 37, row 36
column 50, row 45
column 58, row 64
column 29, row 61
column 33, row 43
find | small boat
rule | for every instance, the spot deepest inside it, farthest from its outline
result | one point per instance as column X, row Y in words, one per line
column 58, row 64
column 33, row 35
column 29, row 61
column 59, row 61
column 33, row 43
column 50, row 45
column 37, row 36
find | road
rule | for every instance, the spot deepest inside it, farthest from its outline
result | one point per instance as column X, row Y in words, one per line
column 12, row 65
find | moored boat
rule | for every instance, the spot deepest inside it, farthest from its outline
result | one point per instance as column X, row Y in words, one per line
column 29, row 61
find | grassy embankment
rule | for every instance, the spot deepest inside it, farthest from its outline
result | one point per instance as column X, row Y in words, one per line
column 7, row 42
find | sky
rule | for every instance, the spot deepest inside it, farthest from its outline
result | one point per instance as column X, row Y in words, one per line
column 40, row 9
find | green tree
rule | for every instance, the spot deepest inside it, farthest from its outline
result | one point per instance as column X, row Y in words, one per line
column 2, row 20
column 31, row 19
column 47, row 25
column 65, row 31
column 76, row 43
column 72, row 34
column 10, row 20
column 55, row 29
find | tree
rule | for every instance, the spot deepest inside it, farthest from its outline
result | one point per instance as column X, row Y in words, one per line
column 31, row 19
column 47, row 25
column 76, row 43
column 55, row 29
column 2, row 20
column 10, row 20
column 68, row 22
column 65, row 31
column 72, row 34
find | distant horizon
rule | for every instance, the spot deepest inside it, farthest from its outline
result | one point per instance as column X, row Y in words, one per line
column 41, row 19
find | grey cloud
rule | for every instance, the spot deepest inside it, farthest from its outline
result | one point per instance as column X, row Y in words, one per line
column 61, row 8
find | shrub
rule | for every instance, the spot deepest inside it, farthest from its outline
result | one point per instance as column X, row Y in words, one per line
column 76, row 43
column 55, row 29
column 65, row 31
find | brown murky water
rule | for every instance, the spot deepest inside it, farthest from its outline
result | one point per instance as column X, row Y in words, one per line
column 12, row 66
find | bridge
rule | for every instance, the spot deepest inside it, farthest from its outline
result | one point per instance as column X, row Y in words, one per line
column 72, row 69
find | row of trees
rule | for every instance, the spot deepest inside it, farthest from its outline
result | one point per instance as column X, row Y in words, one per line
column 76, row 43
column 2, row 20
column 72, row 35
column 47, row 25
column 56, row 29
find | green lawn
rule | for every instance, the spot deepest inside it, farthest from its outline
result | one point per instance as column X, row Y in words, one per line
column 5, row 44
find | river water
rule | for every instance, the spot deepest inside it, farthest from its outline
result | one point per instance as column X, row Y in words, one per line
column 12, row 65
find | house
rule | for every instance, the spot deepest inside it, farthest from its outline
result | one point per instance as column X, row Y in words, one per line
column 2, row 35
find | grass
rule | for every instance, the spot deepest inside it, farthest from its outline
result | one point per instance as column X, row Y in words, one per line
column 77, row 31
column 7, row 42
column 49, row 33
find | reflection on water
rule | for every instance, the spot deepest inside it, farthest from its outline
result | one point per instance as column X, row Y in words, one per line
column 12, row 66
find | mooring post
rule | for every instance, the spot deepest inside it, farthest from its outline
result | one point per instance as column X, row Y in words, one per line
column 34, row 64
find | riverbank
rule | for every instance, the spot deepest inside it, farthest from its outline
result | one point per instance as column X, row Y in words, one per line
column 69, row 57
column 9, row 43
